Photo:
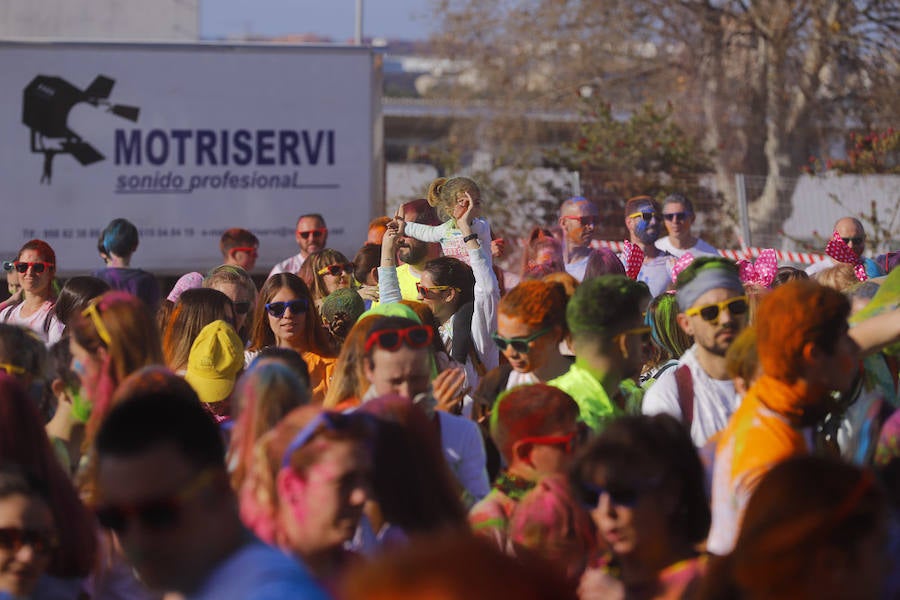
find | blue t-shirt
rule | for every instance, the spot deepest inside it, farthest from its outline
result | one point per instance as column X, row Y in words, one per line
column 259, row 572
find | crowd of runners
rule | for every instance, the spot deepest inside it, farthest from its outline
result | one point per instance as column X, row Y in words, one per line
column 415, row 421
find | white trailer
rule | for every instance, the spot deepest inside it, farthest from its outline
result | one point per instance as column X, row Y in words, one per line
column 186, row 140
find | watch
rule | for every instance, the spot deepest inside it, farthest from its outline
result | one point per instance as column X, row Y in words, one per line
column 470, row 237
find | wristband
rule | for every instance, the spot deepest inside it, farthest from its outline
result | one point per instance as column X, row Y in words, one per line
column 470, row 237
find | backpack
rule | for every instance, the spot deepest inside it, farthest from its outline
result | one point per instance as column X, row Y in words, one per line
column 685, row 385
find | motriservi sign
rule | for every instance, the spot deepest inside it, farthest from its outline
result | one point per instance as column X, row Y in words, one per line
column 186, row 141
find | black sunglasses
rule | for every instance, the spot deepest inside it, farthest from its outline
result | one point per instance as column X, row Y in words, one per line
column 619, row 494
column 298, row 306
column 154, row 515
column 857, row 241
column 680, row 216
column 522, row 345
column 241, row 308
column 14, row 538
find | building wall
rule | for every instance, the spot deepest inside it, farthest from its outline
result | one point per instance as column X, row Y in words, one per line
column 100, row 20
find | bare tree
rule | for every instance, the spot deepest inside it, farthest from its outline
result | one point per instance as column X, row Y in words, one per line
column 762, row 83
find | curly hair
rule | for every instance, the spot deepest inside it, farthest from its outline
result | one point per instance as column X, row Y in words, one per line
column 444, row 192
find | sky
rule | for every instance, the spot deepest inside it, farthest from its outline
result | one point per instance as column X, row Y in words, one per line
column 396, row 19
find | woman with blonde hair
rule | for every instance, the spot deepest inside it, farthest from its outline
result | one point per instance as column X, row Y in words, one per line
column 349, row 383
column 112, row 338
column 454, row 197
column 263, row 396
column 309, row 481
column 196, row 308
column 326, row 271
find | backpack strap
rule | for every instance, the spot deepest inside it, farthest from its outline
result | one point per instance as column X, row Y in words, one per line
column 685, row 384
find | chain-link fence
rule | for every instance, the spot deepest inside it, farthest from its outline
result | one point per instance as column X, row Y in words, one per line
column 799, row 214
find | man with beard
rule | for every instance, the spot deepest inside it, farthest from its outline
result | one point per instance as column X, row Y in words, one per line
column 699, row 390
column 578, row 218
column 414, row 253
column 643, row 219
column 311, row 235
column 610, row 343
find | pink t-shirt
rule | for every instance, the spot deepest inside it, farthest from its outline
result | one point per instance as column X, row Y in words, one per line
column 43, row 322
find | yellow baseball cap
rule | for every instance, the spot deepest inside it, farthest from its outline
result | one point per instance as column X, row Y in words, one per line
column 217, row 356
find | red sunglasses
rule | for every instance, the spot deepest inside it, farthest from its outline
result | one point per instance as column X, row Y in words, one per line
column 417, row 336
column 252, row 251
column 37, row 267
column 316, row 233
column 565, row 442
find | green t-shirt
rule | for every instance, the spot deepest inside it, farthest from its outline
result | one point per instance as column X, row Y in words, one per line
column 595, row 407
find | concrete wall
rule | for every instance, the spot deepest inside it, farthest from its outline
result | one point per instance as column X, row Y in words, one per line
column 99, row 20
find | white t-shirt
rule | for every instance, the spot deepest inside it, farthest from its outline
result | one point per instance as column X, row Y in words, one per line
column 656, row 273
column 516, row 379
column 464, row 451
column 701, row 248
column 288, row 265
column 43, row 322
column 576, row 269
column 715, row 400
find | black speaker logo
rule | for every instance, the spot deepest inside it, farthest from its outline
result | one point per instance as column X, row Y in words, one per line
column 45, row 111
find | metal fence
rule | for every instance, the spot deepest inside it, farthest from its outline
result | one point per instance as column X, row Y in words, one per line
column 807, row 208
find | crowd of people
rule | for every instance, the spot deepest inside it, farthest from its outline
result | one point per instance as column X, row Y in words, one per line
column 418, row 422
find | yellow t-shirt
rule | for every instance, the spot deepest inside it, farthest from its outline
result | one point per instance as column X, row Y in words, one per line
column 407, row 282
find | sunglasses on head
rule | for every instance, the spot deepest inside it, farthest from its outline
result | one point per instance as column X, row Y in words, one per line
column 277, row 309
column 334, row 421
column 36, row 267
column 94, row 314
column 337, row 269
column 417, row 336
column 241, row 308
column 710, row 312
column 14, row 538
column 584, row 220
column 856, row 241
column 316, row 233
column 566, row 443
column 677, row 216
column 252, row 251
column 647, row 215
column 154, row 515
column 12, row 369
column 426, row 291
column 522, row 345
column 643, row 331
